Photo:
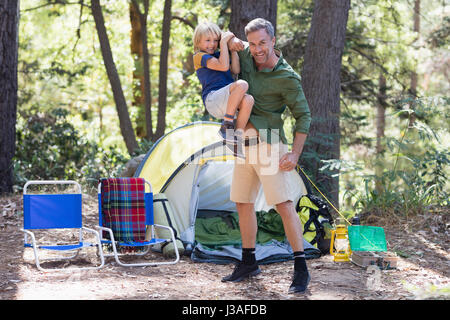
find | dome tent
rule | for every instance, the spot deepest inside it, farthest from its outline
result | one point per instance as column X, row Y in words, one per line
column 193, row 169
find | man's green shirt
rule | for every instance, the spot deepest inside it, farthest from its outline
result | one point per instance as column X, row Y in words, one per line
column 273, row 90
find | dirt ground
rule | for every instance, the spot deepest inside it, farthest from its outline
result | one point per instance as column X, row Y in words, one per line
column 422, row 273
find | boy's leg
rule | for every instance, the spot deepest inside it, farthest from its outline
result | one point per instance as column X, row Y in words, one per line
column 237, row 92
column 227, row 130
column 245, row 108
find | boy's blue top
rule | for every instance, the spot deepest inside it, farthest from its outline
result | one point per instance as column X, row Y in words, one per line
column 211, row 80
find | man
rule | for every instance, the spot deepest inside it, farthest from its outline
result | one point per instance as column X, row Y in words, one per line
column 273, row 85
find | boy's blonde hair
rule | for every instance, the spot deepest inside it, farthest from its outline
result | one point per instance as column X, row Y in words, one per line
column 205, row 28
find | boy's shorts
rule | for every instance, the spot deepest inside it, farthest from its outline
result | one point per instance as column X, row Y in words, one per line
column 261, row 167
column 216, row 102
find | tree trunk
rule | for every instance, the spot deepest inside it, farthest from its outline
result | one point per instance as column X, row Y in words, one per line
column 414, row 76
column 9, row 30
column 416, row 28
column 322, row 86
column 380, row 125
column 139, row 47
column 242, row 12
column 138, row 72
column 163, row 66
column 126, row 127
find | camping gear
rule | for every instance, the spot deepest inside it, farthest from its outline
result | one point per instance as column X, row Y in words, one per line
column 384, row 260
column 317, row 221
column 367, row 238
column 354, row 238
column 48, row 212
column 125, row 211
column 340, row 246
column 193, row 169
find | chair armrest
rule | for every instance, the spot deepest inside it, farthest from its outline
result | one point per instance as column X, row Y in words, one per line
column 107, row 230
column 164, row 227
column 29, row 233
column 91, row 231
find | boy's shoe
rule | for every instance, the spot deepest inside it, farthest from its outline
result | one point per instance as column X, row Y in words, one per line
column 242, row 271
column 226, row 132
column 300, row 282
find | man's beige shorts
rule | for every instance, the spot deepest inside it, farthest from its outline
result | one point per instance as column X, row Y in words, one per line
column 261, row 167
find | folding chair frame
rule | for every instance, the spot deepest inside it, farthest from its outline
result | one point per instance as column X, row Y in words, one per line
column 148, row 244
column 59, row 248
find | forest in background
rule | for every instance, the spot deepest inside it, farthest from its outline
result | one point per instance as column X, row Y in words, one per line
column 393, row 120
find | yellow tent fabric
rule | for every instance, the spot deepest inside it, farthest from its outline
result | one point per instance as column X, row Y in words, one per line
column 174, row 148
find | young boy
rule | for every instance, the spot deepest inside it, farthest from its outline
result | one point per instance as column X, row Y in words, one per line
column 222, row 96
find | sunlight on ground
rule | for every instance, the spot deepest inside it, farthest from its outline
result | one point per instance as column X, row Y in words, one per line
column 72, row 286
column 330, row 281
column 425, row 283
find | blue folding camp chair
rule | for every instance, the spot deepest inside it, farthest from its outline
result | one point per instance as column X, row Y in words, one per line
column 56, row 211
column 126, row 219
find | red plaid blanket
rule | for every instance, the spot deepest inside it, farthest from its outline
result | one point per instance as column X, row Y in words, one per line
column 123, row 208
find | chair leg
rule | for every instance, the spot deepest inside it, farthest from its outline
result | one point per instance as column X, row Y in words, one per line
column 172, row 235
column 119, row 262
column 33, row 244
column 37, row 261
column 99, row 246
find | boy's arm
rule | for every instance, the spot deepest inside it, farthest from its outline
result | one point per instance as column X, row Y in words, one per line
column 235, row 66
column 223, row 63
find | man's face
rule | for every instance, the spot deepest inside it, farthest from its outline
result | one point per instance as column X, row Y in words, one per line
column 260, row 45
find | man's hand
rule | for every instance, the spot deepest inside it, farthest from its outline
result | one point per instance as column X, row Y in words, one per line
column 235, row 44
column 226, row 36
column 288, row 161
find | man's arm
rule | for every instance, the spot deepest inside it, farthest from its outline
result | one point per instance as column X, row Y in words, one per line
column 289, row 160
column 236, row 44
column 235, row 65
column 294, row 98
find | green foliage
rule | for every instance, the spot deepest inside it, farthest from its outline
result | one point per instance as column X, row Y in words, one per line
column 293, row 23
column 416, row 168
column 49, row 147
column 83, row 140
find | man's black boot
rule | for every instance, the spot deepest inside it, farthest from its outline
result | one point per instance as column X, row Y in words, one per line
column 242, row 271
column 300, row 282
column 301, row 277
